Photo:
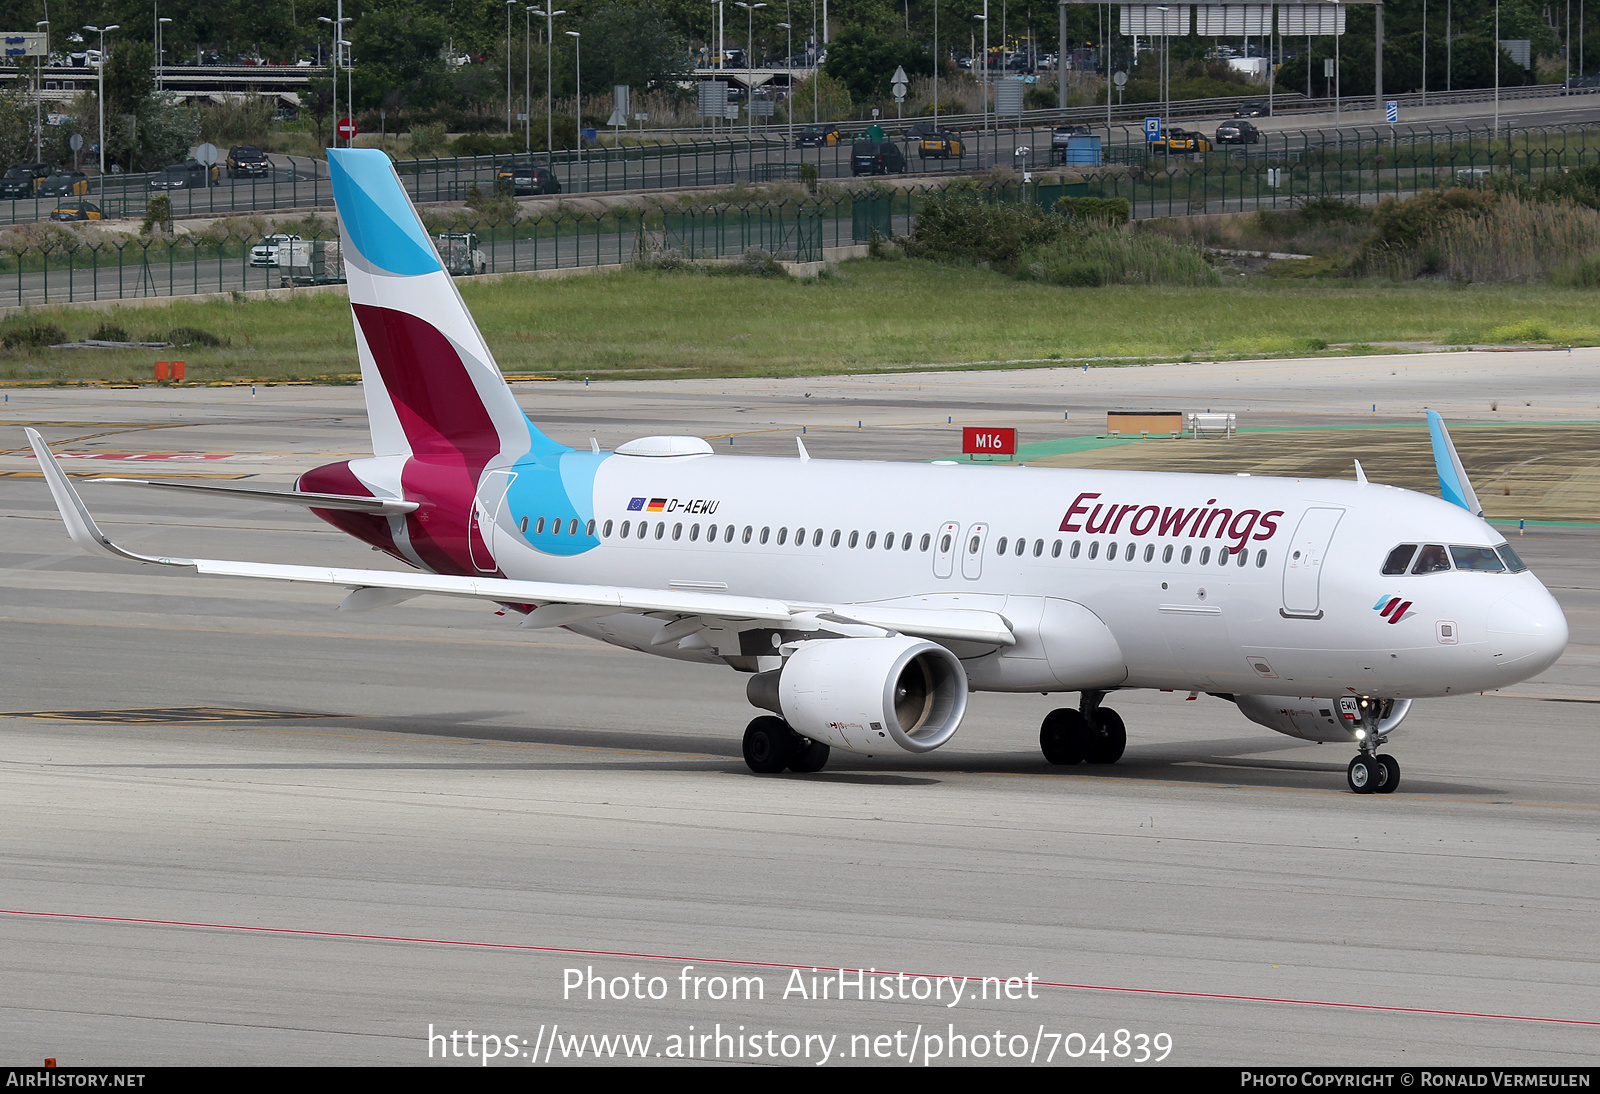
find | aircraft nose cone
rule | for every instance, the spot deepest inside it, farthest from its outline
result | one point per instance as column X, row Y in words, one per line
column 1528, row 630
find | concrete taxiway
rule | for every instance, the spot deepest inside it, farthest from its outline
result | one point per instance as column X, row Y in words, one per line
column 237, row 827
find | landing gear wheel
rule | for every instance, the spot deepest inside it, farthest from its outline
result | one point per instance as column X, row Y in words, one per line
column 1391, row 773
column 1362, row 774
column 1064, row 736
column 1106, row 747
column 808, row 755
column 768, row 743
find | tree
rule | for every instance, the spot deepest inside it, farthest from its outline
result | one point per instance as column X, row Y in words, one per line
column 631, row 43
column 399, row 53
column 864, row 60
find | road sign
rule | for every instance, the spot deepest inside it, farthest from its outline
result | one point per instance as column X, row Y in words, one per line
column 1152, row 129
column 1120, row 79
column 22, row 44
column 206, row 154
column 617, row 118
column 75, row 142
column 347, row 129
column 1391, row 111
column 988, row 441
column 713, row 98
column 898, row 83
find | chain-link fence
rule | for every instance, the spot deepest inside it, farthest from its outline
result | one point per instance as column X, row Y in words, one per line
column 41, row 265
column 1352, row 160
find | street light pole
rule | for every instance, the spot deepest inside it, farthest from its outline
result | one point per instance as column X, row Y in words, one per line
column 577, row 71
column 336, row 24
column 101, row 95
column 38, row 95
column 509, row 5
column 749, row 53
column 983, row 80
column 789, row 107
column 161, row 49
column 549, row 77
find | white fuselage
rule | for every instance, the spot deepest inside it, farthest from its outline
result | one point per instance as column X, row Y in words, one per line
column 1170, row 603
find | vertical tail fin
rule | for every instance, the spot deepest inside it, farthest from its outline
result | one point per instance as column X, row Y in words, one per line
column 432, row 386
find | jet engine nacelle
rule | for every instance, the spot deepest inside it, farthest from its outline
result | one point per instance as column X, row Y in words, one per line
column 861, row 694
column 1313, row 719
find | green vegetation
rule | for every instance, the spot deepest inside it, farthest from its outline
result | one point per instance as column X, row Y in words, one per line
column 870, row 316
column 1081, row 244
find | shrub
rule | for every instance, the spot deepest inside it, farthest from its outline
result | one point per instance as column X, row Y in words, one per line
column 193, row 336
column 30, row 333
column 109, row 332
column 1102, row 256
column 958, row 225
column 158, row 214
column 1105, row 210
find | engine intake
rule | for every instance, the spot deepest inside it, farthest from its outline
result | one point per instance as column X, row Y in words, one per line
column 859, row 694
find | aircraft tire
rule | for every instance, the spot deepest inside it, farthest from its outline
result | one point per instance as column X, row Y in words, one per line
column 1362, row 774
column 768, row 744
column 808, row 756
column 1064, row 736
column 1391, row 769
column 1107, row 749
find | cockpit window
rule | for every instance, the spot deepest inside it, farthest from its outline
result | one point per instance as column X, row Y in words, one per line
column 1513, row 563
column 1482, row 560
column 1399, row 558
column 1432, row 559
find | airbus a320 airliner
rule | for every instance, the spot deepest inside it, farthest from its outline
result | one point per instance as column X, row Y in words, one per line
column 865, row 601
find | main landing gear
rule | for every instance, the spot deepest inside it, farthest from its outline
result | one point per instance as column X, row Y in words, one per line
column 770, row 746
column 1092, row 733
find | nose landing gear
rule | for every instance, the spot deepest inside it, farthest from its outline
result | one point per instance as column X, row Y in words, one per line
column 1371, row 772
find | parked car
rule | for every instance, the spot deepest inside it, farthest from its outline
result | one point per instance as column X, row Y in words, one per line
column 270, row 250
column 1238, row 132
column 1258, row 109
column 22, row 181
column 941, row 145
column 876, row 158
column 246, row 160
column 816, row 136
column 520, row 179
column 1181, row 141
column 64, row 184
column 189, row 175
column 77, row 210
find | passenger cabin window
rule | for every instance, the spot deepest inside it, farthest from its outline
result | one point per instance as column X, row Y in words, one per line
column 1432, row 559
column 1399, row 559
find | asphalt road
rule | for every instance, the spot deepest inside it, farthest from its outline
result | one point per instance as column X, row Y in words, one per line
column 266, row 832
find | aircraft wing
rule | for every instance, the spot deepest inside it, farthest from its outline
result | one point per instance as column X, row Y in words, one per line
column 571, row 603
column 380, row 506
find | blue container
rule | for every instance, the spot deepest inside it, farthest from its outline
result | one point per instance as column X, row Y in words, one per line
column 1083, row 148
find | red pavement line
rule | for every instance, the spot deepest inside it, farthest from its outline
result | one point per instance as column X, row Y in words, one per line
column 1165, row 992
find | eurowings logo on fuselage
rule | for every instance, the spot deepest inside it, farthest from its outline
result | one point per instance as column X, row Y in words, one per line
column 1393, row 608
column 1199, row 522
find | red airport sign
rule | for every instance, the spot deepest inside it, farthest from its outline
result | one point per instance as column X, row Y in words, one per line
column 989, row 441
column 347, row 129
